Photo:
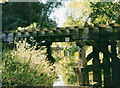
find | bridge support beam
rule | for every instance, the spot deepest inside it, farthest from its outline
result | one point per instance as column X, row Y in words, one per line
column 115, row 66
column 83, row 78
column 49, row 52
column 97, row 69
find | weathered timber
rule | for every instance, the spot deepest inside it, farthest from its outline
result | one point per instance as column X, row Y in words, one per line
column 97, row 69
column 80, row 76
column 91, row 33
column 49, row 52
column 90, row 56
column 106, row 67
column 115, row 66
column 82, row 62
column 85, row 73
column 97, row 36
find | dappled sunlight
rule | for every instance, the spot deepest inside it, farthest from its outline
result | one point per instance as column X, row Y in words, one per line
column 84, row 52
column 65, row 65
column 88, row 51
column 24, row 59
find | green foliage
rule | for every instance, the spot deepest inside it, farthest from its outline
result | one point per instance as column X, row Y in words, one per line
column 83, row 12
column 66, row 61
column 65, row 67
column 72, row 50
column 25, row 66
column 104, row 12
column 21, row 14
column 77, row 13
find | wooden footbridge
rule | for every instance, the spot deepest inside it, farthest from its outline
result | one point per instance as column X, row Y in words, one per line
column 106, row 72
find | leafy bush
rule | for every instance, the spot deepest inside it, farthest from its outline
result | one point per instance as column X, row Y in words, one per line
column 65, row 67
column 25, row 66
column 67, row 57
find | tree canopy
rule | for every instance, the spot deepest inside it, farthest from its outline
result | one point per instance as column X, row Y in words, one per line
column 104, row 12
column 83, row 12
column 77, row 13
column 21, row 14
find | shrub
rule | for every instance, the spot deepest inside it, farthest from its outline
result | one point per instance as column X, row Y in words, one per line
column 25, row 66
column 65, row 67
column 66, row 59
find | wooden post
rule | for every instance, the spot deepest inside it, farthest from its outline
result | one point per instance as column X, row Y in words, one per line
column 118, row 45
column 115, row 66
column 49, row 52
column 97, row 69
column 79, row 75
column 83, row 76
column 84, row 64
column 106, row 66
column 79, row 72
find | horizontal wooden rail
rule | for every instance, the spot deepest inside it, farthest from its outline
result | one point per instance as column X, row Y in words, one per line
column 74, row 33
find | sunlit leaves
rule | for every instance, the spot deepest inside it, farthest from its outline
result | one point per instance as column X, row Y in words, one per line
column 104, row 12
column 77, row 13
column 25, row 66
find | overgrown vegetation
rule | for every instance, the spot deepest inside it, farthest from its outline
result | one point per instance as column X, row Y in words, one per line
column 25, row 66
column 87, row 12
column 105, row 12
column 65, row 67
column 67, row 57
